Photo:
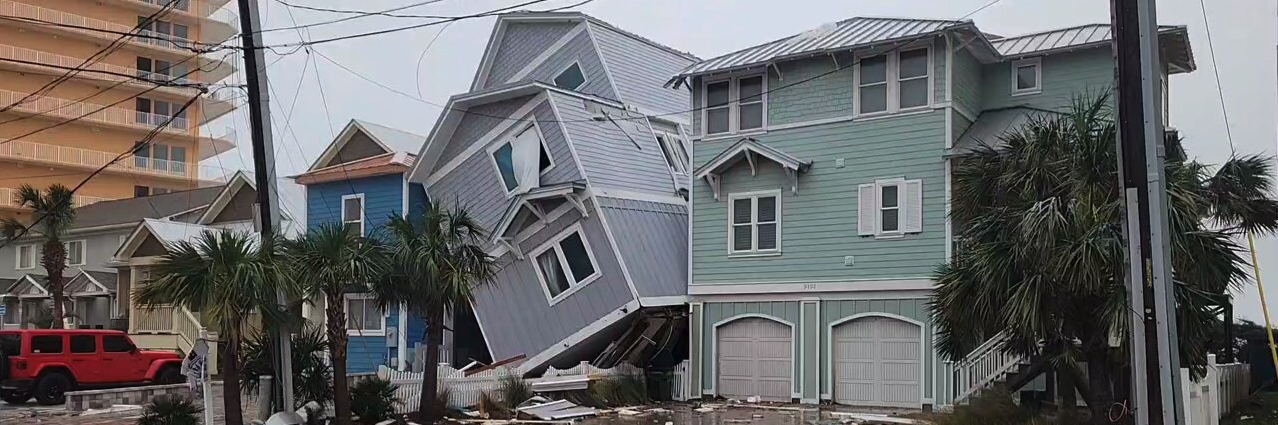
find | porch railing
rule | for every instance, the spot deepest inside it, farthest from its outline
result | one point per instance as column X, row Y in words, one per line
column 985, row 365
column 158, row 319
column 66, row 108
column 9, row 198
column 90, row 26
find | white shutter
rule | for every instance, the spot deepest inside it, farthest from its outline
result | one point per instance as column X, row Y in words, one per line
column 913, row 206
column 866, row 206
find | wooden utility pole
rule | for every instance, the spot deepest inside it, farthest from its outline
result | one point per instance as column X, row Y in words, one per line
column 264, row 177
column 1156, row 395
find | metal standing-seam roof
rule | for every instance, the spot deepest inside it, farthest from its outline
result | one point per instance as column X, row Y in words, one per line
column 835, row 36
column 1064, row 38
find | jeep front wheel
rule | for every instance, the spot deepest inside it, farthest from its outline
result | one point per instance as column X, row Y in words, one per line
column 170, row 375
column 52, row 389
column 15, row 397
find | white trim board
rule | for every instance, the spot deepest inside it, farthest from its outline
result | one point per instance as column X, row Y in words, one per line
column 483, row 142
column 829, row 361
column 609, row 192
column 737, row 288
column 546, row 54
column 577, row 337
column 794, row 340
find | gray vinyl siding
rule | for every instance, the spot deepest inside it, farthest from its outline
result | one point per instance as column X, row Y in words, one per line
column 99, row 248
column 581, row 50
column 477, row 121
column 819, row 223
column 961, row 124
column 826, row 91
column 718, row 312
column 641, row 70
column 360, row 146
column 653, row 240
column 967, row 81
column 520, row 44
column 514, row 312
column 608, row 154
column 476, row 185
column 1065, row 76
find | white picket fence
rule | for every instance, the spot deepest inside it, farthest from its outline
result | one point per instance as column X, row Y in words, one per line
column 1217, row 393
column 465, row 391
column 681, row 387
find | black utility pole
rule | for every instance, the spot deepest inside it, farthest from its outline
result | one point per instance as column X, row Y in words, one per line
column 1156, row 397
column 264, row 176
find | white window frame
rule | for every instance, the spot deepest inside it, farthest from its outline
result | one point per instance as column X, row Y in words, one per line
column 363, row 207
column 754, row 223
column 84, row 251
column 507, row 139
column 584, row 79
column 346, row 306
column 893, row 64
column 672, row 143
column 733, row 105
column 17, row 260
column 573, row 285
column 899, row 183
column 1037, row 63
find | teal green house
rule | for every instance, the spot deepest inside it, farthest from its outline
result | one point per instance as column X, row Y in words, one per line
column 820, row 196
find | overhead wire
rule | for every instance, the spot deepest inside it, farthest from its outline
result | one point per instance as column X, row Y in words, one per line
column 358, row 13
column 1220, row 90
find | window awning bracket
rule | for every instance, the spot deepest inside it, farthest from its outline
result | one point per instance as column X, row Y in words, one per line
column 537, row 211
column 577, row 203
column 714, row 180
column 835, row 58
column 511, row 246
column 777, row 68
column 754, row 169
column 793, row 176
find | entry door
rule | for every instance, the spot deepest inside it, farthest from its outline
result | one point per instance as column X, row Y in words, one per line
column 876, row 363
column 755, row 359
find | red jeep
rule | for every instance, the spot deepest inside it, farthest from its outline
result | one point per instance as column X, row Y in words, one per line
column 46, row 363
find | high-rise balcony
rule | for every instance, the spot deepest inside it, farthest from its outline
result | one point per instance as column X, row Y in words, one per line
column 212, row 105
column 89, row 159
column 217, row 24
column 103, row 30
column 9, row 199
column 113, row 116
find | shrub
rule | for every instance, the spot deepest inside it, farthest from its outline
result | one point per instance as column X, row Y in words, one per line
column 312, row 376
column 373, row 400
column 623, row 390
column 514, row 390
column 171, row 411
column 996, row 407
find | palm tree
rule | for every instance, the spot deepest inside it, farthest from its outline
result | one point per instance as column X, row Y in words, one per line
column 435, row 262
column 1041, row 256
column 51, row 215
column 226, row 276
column 335, row 261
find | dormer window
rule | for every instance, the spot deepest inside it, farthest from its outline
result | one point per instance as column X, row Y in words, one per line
column 571, row 78
column 1027, row 76
column 736, row 104
column 514, row 159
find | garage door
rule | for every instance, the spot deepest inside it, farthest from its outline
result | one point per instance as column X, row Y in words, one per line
column 876, row 363
column 754, row 359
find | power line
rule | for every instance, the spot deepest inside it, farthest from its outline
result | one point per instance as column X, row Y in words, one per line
column 1220, row 91
column 133, row 77
column 358, row 13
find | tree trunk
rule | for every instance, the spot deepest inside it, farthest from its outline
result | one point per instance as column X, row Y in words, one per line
column 430, row 370
column 231, row 378
column 337, row 351
column 54, row 260
column 1098, row 377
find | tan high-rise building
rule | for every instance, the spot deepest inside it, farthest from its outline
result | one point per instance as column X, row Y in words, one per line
column 34, row 53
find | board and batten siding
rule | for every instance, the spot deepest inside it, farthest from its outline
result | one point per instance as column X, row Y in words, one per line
column 520, row 44
column 620, row 154
column 819, row 223
column 383, row 195
column 653, row 240
column 476, row 185
column 514, row 312
column 1065, row 76
column 812, row 351
column 476, row 122
column 826, row 91
column 580, row 49
column 641, row 70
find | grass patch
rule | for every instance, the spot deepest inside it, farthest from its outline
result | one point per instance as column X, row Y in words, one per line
column 995, row 407
column 618, row 391
column 514, row 390
column 1260, row 409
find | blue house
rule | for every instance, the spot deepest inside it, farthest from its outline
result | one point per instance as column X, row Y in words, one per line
column 360, row 180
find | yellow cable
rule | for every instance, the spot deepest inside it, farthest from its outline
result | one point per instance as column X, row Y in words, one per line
column 1264, row 307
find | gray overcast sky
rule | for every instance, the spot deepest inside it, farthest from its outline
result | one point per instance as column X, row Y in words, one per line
column 1244, row 34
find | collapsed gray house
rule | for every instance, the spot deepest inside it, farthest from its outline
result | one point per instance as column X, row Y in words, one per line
column 570, row 151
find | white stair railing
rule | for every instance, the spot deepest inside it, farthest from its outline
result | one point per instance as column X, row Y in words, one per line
column 986, row 364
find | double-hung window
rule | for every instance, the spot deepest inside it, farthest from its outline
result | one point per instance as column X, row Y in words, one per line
column 1027, row 76
column 889, row 202
column 509, row 165
column 75, row 252
column 26, row 257
column 353, row 213
column 673, row 150
column 755, row 222
column 565, row 264
column 890, row 208
column 894, row 81
column 736, row 104
column 362, row 315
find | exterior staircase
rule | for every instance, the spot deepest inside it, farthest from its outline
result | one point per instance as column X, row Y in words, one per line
column 981, row 369
column 172, row 328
